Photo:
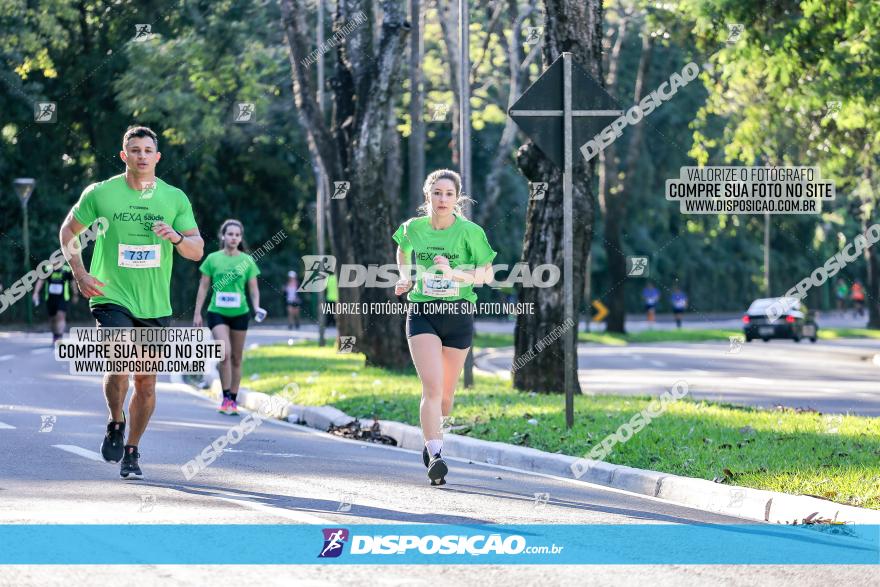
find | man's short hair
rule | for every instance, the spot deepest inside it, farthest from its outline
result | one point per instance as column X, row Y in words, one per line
column 140, row 132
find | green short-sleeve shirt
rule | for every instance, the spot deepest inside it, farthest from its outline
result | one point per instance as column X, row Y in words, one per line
column 229, row 275
column 463, row 243
column 129, row 258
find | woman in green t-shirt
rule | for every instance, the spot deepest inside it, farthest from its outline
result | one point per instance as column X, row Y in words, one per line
column 225, row 273
column 452, row 256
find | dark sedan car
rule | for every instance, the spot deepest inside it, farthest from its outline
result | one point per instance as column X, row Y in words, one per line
column 791, row 323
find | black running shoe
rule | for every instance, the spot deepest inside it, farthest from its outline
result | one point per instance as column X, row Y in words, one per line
column 130, row 468
column 437, row 470
column 425, row 457
column 114, row 441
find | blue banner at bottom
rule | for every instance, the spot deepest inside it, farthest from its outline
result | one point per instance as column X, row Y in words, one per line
column 440, row 544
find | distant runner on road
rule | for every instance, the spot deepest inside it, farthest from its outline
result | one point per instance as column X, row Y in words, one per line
column 841, row 292
column 129, row 281
column 651, row 296
column 858, row 297
column 679, row 302
column 292, row 300
column 57, row 293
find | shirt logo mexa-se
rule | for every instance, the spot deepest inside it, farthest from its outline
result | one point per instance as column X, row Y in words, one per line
column 145, row 220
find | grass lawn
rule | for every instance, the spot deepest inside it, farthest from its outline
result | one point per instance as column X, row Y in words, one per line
column 834, row 457
column 486, row 340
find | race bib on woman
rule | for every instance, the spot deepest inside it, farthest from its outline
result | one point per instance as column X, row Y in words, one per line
column 227, row 300
column 56, row 289
column 438, row 286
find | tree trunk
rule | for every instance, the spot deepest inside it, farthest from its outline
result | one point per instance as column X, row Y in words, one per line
column 366, row 77
column 416, row 109
column 575, row 26
column 513, row 47
column 616, row 204
column 448, row 13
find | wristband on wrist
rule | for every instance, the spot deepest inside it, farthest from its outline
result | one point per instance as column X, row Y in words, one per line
column 181, row 238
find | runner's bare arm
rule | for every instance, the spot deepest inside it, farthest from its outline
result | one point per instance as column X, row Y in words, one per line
column 88, row 285
column 188, row 243
column 37, row 289
column 403, row 267
column 254, row 290
column 204, row 285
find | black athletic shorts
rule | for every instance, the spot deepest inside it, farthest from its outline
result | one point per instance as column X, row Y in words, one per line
column 116, row 316
column 452, row 322
column 55, row 304
column 239, row 322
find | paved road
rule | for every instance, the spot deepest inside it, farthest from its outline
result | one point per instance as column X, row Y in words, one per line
column 288, row 474
column 829, row 376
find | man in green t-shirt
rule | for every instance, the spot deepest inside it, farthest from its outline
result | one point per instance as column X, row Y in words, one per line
column 129, row 281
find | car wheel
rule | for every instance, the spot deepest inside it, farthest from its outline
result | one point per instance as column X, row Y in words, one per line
column 765, row 339
column 813, row 340
column 748, row 339
column 796, row 338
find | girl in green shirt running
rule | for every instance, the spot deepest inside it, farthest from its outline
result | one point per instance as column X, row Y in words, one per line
column 452, row 256
column 225, row 273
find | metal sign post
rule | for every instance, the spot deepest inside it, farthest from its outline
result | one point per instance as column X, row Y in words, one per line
column 24, row 188
column 545, row 112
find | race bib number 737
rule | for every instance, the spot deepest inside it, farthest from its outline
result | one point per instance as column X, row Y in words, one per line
column 139, row 256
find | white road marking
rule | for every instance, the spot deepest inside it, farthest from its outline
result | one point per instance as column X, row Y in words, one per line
column 39, row 351
column 7, row 357
column 294, row 515
column 657, row 363
column 83, row 452
column 4, row 426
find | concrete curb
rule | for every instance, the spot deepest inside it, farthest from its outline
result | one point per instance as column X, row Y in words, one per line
column 743, row 502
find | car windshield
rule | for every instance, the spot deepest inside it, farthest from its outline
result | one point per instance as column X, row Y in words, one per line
column 760, row 306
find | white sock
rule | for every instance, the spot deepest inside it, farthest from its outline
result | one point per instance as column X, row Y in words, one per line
column 433, row 446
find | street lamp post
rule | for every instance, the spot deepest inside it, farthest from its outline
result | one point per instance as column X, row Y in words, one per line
column 24, row 187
